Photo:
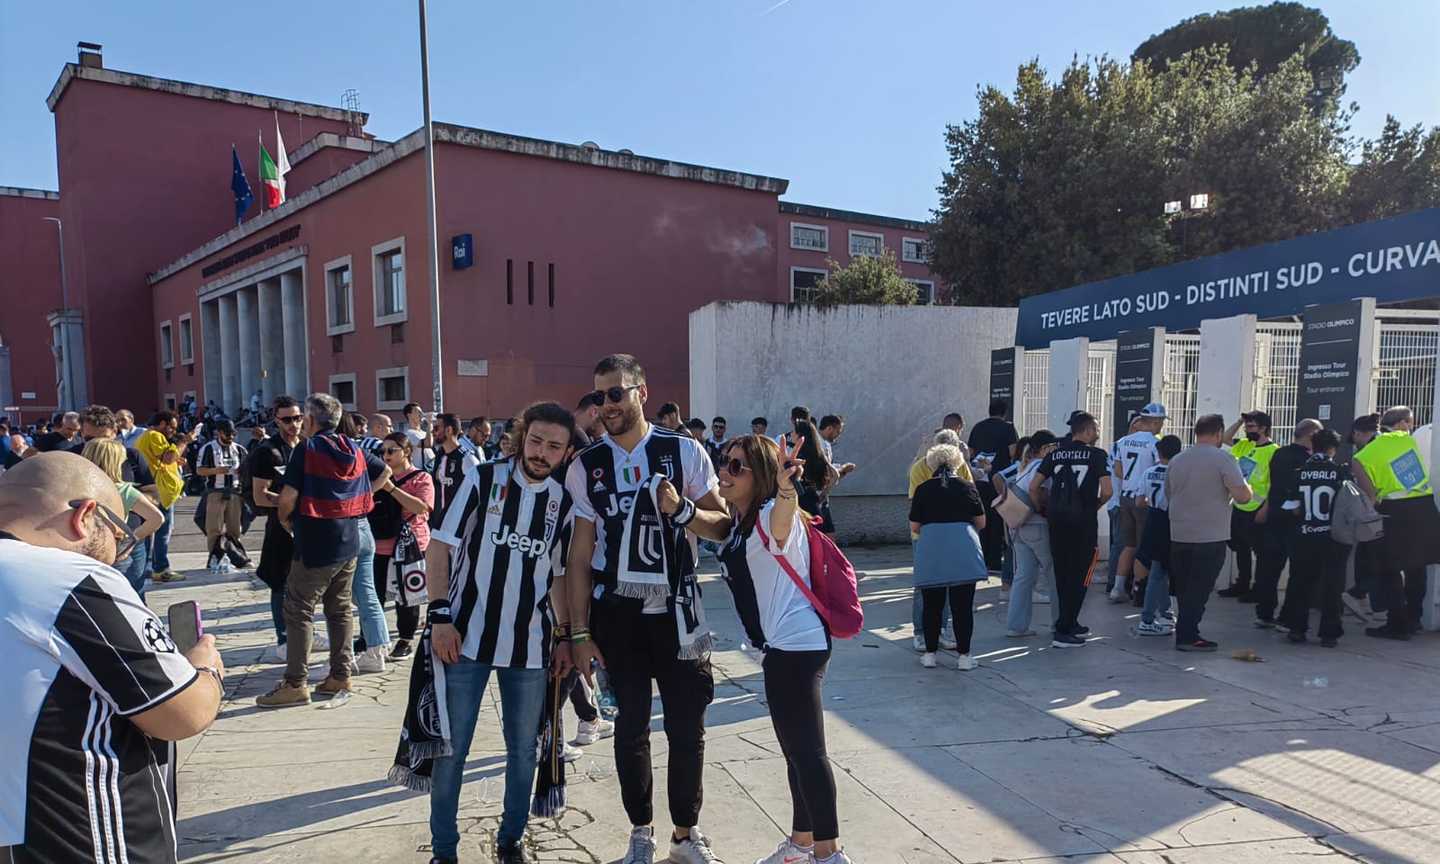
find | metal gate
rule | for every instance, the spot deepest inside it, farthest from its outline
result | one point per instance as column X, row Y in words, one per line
column 1034, row 392
column 1180, row 388
column 1100, row 390
column 1405, row 368
column 1277, row 376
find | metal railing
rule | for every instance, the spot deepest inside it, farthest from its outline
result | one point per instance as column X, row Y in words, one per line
column 1277, row 375
column 1405, row 368
column 1100, row 390
column 1180, row 389
column 1034, row 392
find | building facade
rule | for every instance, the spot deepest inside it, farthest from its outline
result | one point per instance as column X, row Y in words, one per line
column 551, row 255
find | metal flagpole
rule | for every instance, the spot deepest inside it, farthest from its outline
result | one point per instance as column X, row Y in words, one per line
column 432, row 254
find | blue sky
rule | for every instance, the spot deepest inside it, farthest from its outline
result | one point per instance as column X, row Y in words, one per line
column 847, row 99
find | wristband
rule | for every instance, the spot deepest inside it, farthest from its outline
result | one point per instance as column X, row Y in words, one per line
column 579, row 638
column 685, row 514
column 439, row 616
column 442, row 603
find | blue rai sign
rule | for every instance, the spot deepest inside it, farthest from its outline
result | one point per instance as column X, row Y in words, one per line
column 462, row 251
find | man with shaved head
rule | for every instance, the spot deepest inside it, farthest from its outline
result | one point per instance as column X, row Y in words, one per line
column 93, row 682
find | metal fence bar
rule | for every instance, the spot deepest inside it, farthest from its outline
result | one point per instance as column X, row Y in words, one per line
column 1277, row 376
column 1405, row 371
column 1180, row 388
column 1035, row 392
column 1100, row 390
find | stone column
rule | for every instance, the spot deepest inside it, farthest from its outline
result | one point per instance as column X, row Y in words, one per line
column 272, row 340
column 297, row 342
column 248, row 316
column 210, row 357
column 1069, row 381
column 1227, row 367
column 229, row 355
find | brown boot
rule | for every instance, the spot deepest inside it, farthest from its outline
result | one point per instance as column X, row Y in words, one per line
column 333, row 686
column 285, row 695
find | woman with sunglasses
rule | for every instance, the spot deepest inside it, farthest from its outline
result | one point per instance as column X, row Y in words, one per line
column 109, row 455
column 414, row 492
column 762, row 483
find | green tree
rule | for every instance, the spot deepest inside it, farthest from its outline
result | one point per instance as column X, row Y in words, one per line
column 1398, row 172
column 872, row 281
column 1266, row 36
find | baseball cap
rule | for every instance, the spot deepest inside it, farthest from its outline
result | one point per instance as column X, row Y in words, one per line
column 1153, row 411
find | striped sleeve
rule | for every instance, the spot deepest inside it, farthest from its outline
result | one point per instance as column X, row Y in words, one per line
column 462, row 507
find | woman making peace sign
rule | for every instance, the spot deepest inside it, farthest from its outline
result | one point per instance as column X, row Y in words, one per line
column 757, row 479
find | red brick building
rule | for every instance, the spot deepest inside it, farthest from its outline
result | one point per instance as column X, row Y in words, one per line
column 574, row 252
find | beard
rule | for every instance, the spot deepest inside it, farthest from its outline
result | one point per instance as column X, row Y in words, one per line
column 96, row 548
column 537, row 469
column 621, row 424
column 1253, row 436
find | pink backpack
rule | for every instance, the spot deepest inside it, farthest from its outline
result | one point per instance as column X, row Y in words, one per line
column 836, row 597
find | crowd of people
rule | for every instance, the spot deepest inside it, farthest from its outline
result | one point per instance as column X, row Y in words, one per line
column 558, row 553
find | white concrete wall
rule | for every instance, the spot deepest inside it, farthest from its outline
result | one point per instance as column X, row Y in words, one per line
column 1068, row 388
column 1227, row 367
column 892, row 371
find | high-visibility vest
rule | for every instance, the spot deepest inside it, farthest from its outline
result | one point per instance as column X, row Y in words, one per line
column 1393, row 463
column 1254, row 460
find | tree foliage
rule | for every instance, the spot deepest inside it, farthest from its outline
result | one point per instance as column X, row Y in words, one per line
column 1398, row 172
column 1267, row 37
column 867, row 280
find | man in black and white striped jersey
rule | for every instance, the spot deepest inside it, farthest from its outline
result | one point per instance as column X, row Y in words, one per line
column 219, row 463
column 379, row 427
column 454, row 458
column 490, row 564
column 96, row 688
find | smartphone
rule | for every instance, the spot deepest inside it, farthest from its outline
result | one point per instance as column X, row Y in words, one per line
column 199, row 429
column 185, row 625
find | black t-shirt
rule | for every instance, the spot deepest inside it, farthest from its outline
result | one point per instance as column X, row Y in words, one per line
column 9, row 460
column 53, row 441
column 1075, row 470
column 995, row 436
column 1315, row 484
column 1284, row 466
column 945, row 498
column 269, row 461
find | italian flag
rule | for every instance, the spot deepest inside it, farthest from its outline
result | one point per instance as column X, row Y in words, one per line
column 272, row 176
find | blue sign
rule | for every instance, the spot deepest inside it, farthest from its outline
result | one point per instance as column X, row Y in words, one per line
column 1391, row 260
column 462, row 251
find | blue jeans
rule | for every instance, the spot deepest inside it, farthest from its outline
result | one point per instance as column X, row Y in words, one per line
column 374, row 629
column 1157, row 593
column 133, row 568
column 522, row 701
column 1117, row 545
column 160, row 542
column 1034, row 568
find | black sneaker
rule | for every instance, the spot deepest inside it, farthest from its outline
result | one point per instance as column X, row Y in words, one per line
column 1387, row 633
column 402, row 650
column 1296, row 637
column 1328, row 643
column 1233, row 591
column 1197, row 645
column 1066, row 640
column 511, row 855
column 1082, row 631
column 438, row 860
column 1248, row 597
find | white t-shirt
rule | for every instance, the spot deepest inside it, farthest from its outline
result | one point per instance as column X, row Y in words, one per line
column 1134, row 455
column 765, row 596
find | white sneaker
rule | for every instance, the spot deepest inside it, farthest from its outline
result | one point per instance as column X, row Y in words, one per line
column 372, row 659
column 1019, row 634
column 694, row 849
column 838, row 858
column 919, row 643
column 788, row 853
column 642, row 846
column 273, row 655
column 928, row 660
column 966, row 663
column 571, row 753
column 1154, row 628
column 320, row 637
column 947, row 641
column 1039, row 599
column 588, row 733
column 1119, row 596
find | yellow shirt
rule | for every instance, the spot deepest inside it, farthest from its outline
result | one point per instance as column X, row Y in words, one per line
column 168, row 483
column 920, row 472
column 1254, row 462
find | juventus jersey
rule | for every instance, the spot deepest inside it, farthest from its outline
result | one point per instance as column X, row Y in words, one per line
column 83, row 655
column 449, row 473
column 217, row 455
column 1317, row 481
column 1134, row 455
column 1154, row 491
column 504, row 533
column 603, row 481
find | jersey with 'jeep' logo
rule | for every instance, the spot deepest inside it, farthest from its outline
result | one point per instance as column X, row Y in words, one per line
column 503, row 531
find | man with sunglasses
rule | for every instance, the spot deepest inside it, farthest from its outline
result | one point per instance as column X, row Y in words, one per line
column 97, row 689
column 646, row 616
column 454, row 456
column 267, row 469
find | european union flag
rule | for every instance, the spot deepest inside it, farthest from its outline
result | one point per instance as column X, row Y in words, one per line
column 240, row 186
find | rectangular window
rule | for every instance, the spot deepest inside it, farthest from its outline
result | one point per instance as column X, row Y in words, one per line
column 552, row 285
column 187, row 341
column 389, row 274
column 916, row 250
column 924, row 291
column 340, row 297
column 866, row 243
column 530, row 283
column 815, row 238
column 803, row 281
column 392, row 388
column 510, row 281
column 342, row 387
column 169, row 401
column 167, row 345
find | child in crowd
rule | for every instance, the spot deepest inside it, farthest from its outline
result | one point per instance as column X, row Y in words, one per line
column 1152, row 557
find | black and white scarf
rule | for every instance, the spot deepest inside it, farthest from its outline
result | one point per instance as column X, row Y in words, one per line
column 425, row 735
column 675, row 577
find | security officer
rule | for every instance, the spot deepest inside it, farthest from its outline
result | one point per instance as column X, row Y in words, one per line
column 1254, row 453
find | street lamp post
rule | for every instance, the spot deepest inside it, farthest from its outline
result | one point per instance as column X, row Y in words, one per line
column 68, row 390
column 432, row 252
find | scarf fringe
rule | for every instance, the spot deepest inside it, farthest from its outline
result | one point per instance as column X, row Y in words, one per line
column 549, row 805
column 643, row 590
column 699, row 649
column 431, row 749
column 403, row 776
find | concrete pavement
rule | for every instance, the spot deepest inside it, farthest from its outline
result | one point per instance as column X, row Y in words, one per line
column 1124, row 751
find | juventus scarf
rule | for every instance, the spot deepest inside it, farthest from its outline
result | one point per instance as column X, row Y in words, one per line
column 549, row 800
column 425, row 735
column 656, row 562
column 406, row 576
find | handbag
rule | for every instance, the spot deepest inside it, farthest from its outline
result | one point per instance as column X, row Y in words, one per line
column 1012, row 508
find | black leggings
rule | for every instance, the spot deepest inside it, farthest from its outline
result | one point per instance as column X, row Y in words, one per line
column 962, row 614
column 407, row 618
column 792, row 687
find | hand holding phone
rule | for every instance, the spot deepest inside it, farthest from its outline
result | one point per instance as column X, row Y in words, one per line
column 185, row 625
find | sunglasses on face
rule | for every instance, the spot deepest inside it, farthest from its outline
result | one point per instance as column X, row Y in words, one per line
column 392, row 451
column 294, row 418
column 614, row 394
column 735, row 467
column 125, row 540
